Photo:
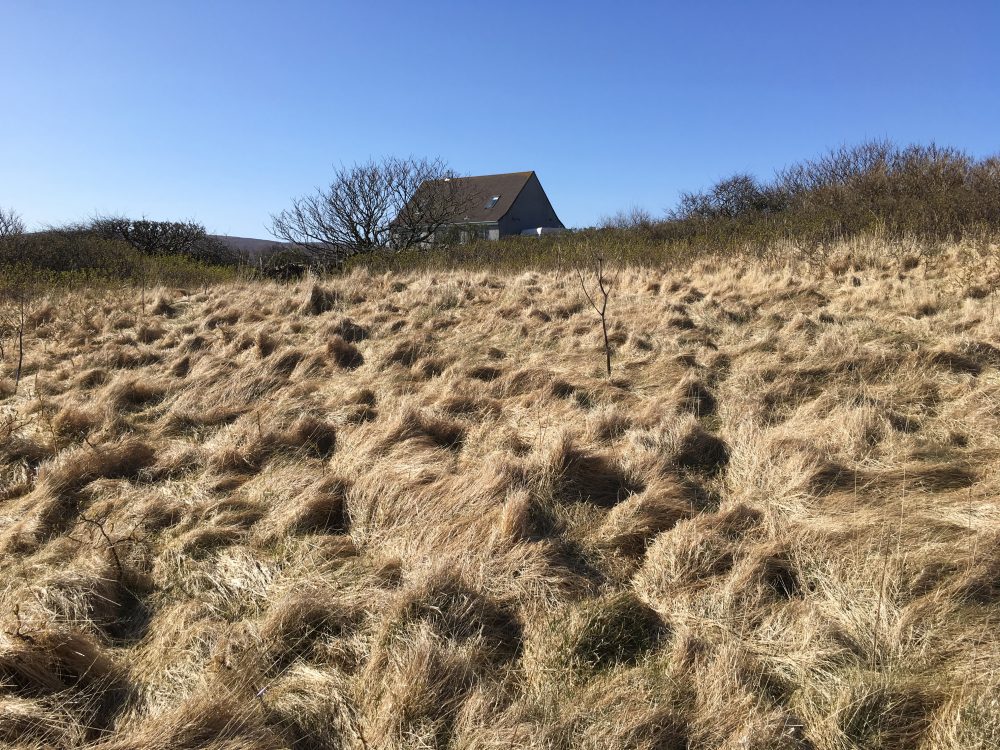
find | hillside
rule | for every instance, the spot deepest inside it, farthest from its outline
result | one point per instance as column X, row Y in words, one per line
column 410, row 511
column 251, row 247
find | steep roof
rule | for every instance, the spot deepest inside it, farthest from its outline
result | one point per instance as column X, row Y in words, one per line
column 484, row 188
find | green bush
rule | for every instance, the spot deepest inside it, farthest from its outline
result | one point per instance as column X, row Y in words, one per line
column 70, row 256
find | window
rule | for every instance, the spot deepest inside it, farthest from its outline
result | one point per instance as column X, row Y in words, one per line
column 492, row 201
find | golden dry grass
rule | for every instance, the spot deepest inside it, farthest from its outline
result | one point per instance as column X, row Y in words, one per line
column 409, row 511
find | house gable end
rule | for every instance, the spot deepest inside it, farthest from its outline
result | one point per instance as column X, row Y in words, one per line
column 531, row 208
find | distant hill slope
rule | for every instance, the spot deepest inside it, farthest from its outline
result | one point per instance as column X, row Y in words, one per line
column 253, row 247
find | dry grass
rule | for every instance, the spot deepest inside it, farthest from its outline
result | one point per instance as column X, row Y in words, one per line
column 409, row 511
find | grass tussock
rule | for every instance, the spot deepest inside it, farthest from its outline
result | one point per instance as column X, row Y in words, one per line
column 344, row 353
column 411, row 510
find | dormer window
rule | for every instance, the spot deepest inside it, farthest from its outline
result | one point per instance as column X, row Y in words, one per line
column 492, row 201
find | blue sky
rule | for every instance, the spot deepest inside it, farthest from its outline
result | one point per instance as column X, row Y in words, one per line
column 223, row 111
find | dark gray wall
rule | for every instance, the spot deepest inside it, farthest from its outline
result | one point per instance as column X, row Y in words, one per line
column 531, row 209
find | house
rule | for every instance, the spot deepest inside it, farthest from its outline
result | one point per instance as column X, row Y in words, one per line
column 499, row 205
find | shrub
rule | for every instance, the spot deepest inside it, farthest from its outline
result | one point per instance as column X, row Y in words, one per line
column 74, row 257
column 928, row 192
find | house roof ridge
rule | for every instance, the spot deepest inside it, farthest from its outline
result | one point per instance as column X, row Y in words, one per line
column 525, row 173
column 493, row 195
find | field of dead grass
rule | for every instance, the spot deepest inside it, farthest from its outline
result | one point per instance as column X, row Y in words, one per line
column 410, row 511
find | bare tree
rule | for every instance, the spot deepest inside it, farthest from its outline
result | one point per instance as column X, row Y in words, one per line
column 392, row 203
column 605, row 275
column 152, row 237
column 737, row 196
column 11, row 224
column 634, row 217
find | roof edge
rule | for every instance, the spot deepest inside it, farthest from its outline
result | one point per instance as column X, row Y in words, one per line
column 530, row 173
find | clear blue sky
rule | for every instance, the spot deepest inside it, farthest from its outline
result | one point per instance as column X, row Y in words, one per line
column 222, row 111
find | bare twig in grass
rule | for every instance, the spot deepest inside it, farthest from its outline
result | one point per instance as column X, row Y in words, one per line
column 110, row 543
column 15, row 320
column 18, row 631
column 599, row 299
column 99, row 524
column 20, row 342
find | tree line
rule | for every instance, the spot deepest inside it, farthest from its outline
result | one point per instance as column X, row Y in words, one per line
column 380, row 211
column 875, row 187
column 111, row 248
column 101, row 238
column 390, row 204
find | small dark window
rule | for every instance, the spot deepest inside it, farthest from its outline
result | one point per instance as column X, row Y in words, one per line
column 492, row 201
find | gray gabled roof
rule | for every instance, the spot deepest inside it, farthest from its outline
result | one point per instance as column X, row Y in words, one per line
column 484, row 187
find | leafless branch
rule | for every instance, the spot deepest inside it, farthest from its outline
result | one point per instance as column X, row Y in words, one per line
column 11, row 224
column 599, row 298
column 392, row 203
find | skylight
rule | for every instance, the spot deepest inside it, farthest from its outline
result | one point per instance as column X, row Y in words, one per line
column 492, row 201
